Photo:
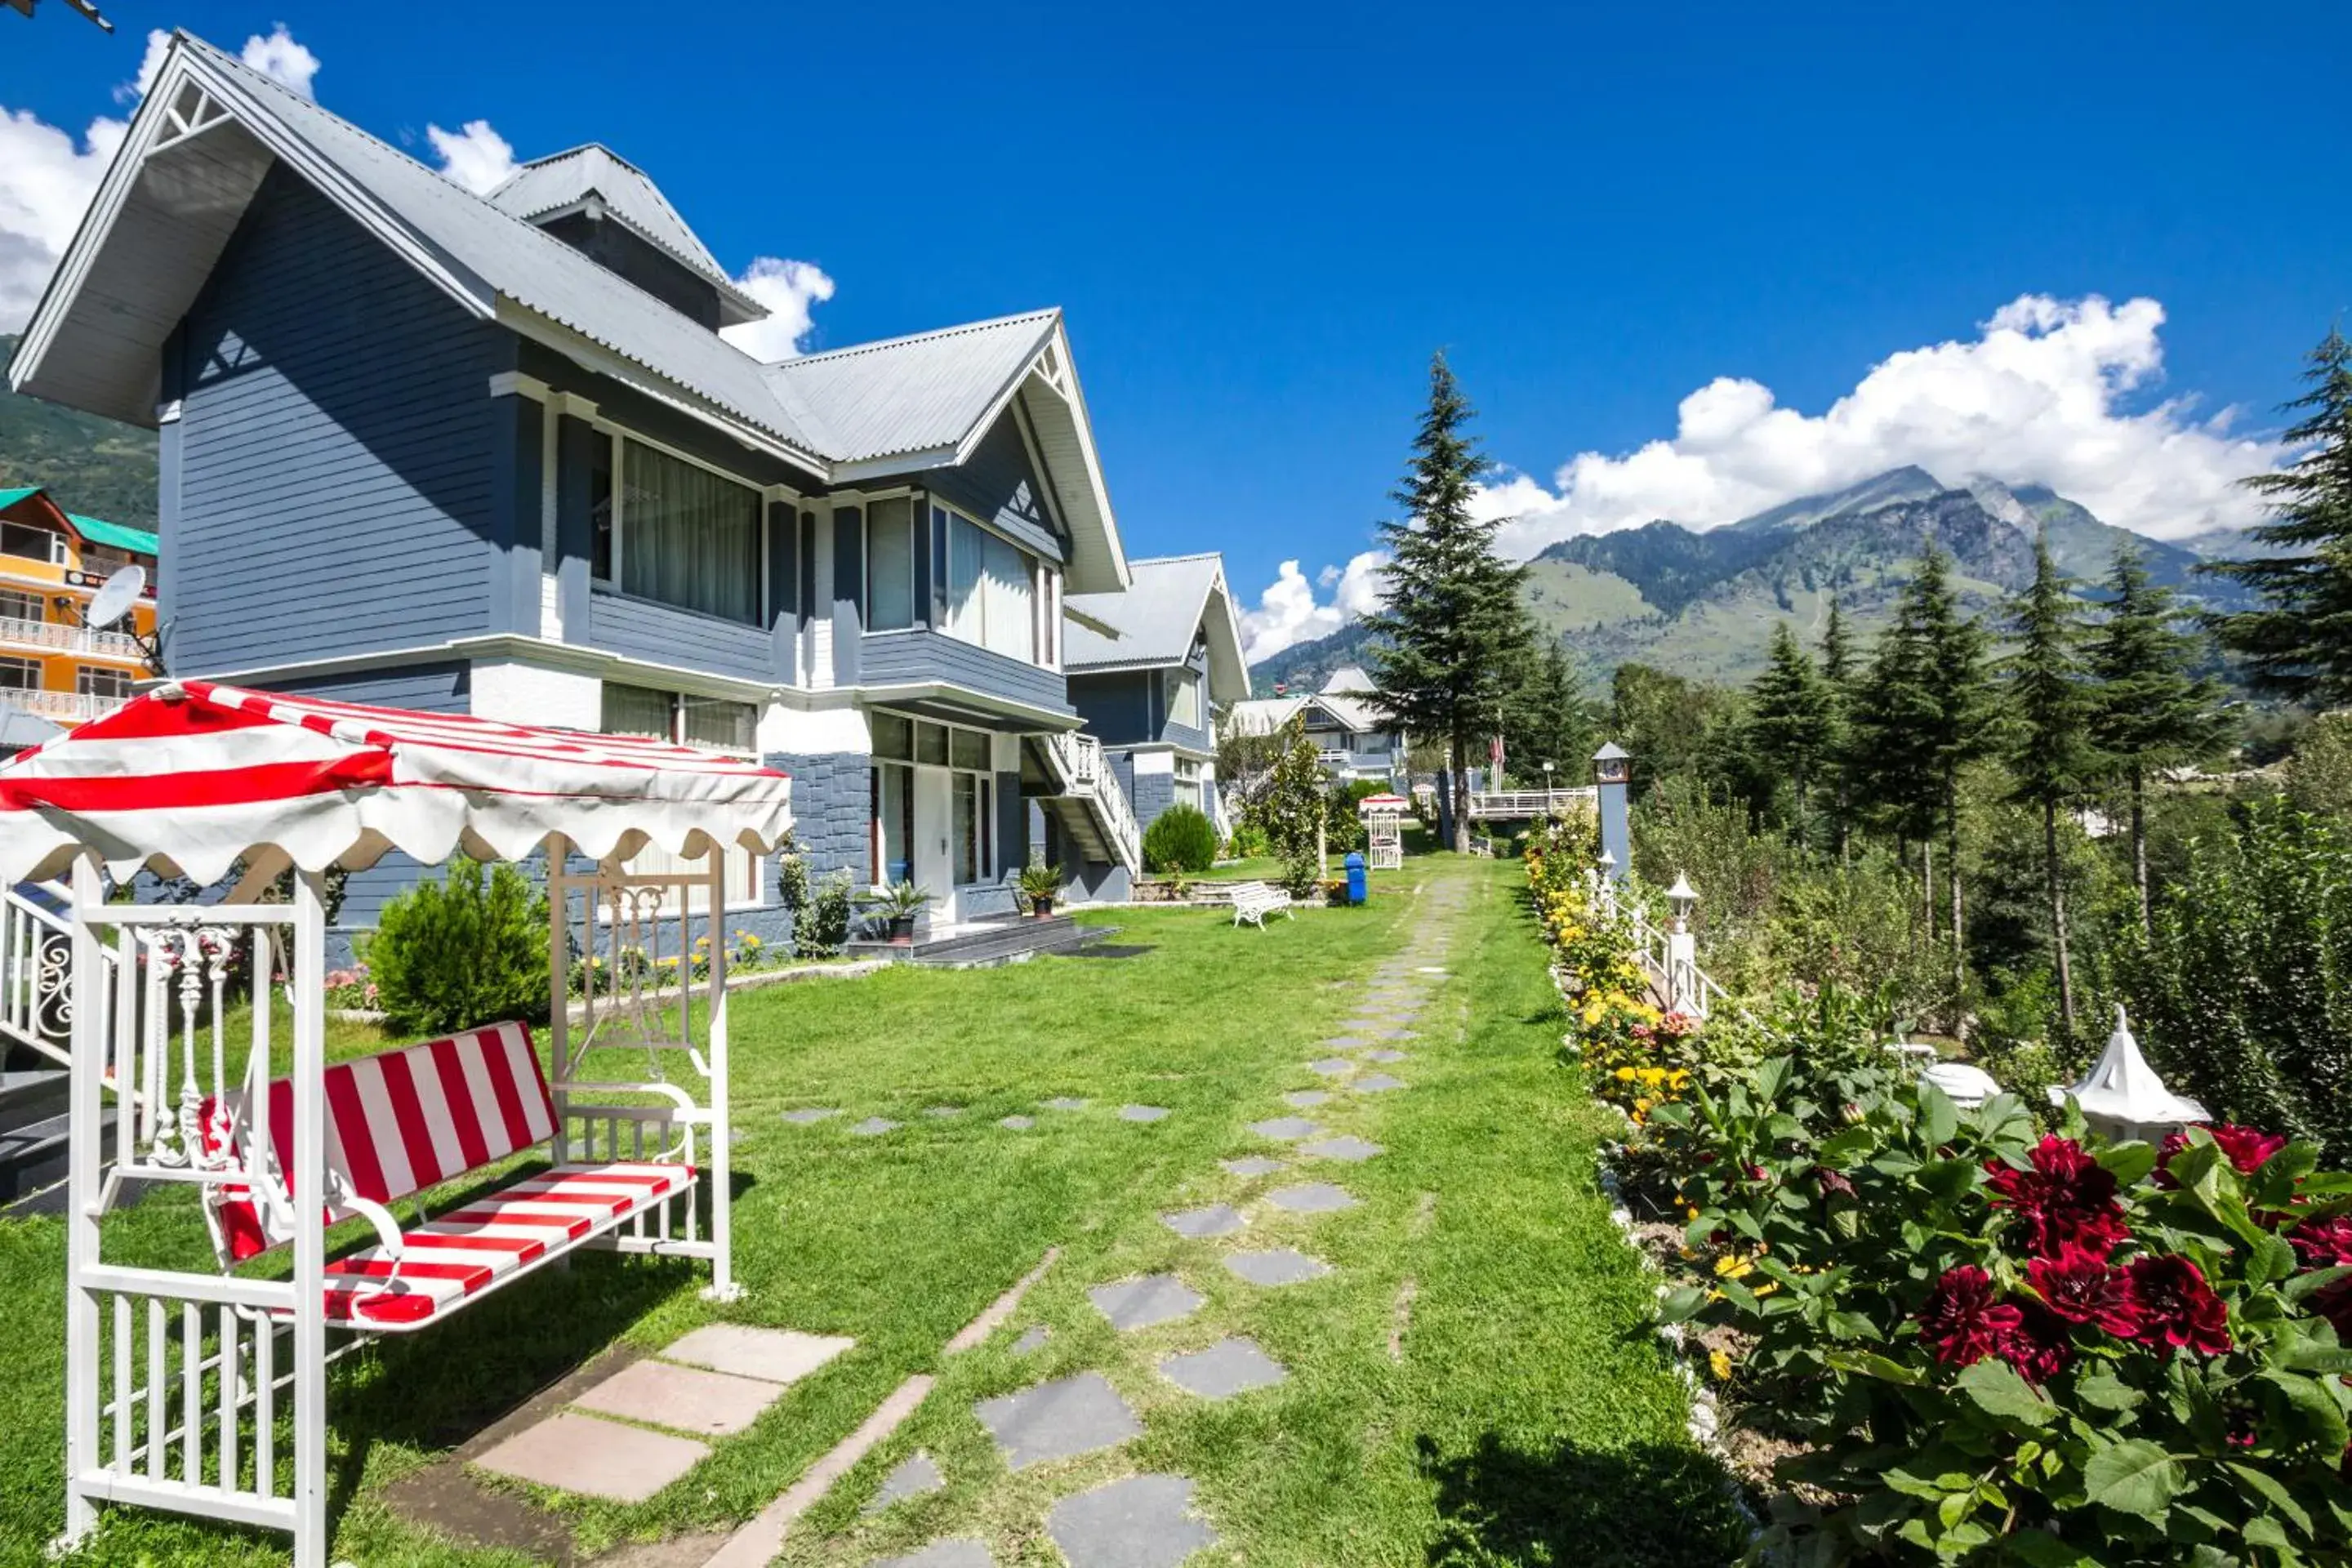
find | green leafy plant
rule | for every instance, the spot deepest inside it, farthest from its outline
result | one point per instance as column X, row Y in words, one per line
column 901, row 900
column 820, row 906
column 468, row 949
column 1180, row 838
column 1040, row 881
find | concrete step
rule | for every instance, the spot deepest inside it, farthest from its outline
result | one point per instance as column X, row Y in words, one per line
column 31, row 1096
column 998, row 941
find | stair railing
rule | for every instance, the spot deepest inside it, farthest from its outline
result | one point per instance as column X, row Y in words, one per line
column 35, row 972
column 1086, row 774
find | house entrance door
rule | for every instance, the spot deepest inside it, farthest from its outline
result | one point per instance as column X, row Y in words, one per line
column 934, row 865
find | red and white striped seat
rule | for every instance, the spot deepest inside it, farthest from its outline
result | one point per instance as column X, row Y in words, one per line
column 404, row 1120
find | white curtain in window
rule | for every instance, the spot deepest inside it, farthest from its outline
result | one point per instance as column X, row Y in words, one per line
column 690, row 538
column 890, row 564
column 1006, row 595
column 635, row 711
column 990, row 600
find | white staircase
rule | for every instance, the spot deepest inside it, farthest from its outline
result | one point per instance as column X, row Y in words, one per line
column 36, row 967
column 1090, row 803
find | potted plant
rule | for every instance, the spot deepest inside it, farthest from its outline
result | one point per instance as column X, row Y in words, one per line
column 1040, row 884
column 897, row 905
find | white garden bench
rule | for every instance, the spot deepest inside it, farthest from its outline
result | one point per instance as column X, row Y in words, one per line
column 1253, row 901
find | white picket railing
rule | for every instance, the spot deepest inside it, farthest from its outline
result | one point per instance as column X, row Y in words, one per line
column 57, row 637
column 1087, row 774
column 1669, row 956
column 1528, row 805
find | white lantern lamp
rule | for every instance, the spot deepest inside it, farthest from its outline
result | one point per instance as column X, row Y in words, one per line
column 2122, row 1096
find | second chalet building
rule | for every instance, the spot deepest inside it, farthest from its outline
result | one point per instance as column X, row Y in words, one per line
column 490, row 455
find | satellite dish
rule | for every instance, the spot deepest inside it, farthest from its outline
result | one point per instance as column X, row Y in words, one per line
column 114, row 597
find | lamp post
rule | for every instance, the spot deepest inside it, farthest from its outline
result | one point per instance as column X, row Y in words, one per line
column 1612, row 771
column 1548, row 800
column 1682, row 948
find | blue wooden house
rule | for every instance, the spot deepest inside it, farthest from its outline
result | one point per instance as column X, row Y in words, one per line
column 490, row 454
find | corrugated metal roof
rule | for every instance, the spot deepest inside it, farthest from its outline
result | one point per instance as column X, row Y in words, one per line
column 513, row 258
column 1157, row 618
column 910, row 394
column 10, row 498
column 98, row 531
column 565, row 179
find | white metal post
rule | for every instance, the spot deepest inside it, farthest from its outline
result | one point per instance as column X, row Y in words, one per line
column 559, row 978
column 722, row 1260
column 309, row 1490
column 82, row 1156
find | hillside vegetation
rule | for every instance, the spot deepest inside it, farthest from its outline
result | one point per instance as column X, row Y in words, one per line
column 93, row 466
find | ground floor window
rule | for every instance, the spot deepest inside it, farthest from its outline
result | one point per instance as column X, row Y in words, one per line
column 912, row 755
column 970, row 815
column 1188, row 788
column 681, row 718
column 746, row 885
column 892, row 791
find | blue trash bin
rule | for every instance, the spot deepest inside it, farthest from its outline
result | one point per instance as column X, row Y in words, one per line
column 1358, row 887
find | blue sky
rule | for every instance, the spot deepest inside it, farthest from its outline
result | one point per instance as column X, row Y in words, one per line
column 1263, row 219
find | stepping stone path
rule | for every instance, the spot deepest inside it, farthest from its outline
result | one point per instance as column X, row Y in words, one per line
column 1141, row 1303
column 1252, row 1165
column 1143, row 1522
column 1384, row 1056
column 1332, row 1067
column 1141, row 1112
column 1230, row 1366
column 1217, row 1219
column 1304, row 1098
column 914, row 1476
column 1018, row 1124
column 1056, row 1420
column 1283, row 1266
column 963, row 1551
column 1375, row 1083
column 1312, row 1198
column 873, row 1127
column 1066, row 1103
column 1285, row 1127
column 809, row 1113
column 714, row 1382
column 943, row 1111
column 1349, row 1148
column 1033, row 1339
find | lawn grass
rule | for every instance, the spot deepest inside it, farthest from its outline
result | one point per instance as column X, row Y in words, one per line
column 1529, row 1416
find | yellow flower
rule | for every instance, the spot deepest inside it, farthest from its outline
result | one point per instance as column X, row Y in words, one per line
column 1719, row 1364
column 1730, row 1268
column 1626, row 1075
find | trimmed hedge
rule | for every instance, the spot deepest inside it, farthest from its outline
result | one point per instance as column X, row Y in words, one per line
column 1180, row 838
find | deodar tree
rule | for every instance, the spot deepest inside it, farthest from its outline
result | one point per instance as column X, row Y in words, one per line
column 2049, row 704
column 1451, row 631
column 1792, row 719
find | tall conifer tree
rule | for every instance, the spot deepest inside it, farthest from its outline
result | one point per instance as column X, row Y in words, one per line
column 1790, row 718
column 2151, row 711
column 1838, row 681
column 2299, row 643
column 2050, row 757
column 1450, row 630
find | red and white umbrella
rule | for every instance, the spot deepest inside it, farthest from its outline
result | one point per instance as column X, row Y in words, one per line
column 189, row 777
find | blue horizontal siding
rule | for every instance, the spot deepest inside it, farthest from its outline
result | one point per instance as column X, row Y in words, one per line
column 1116, row 706
column 661, row 634
column 338, row 487
column 898, row 659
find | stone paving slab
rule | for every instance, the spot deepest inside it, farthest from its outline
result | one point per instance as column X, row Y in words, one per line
column 1141, row 1303
column 1064, row 1102
column 1018, row 1124
column 595, row 1458
column 811, row 1113
column 1230, row 1366
column 1217, row 1219
column 1304, row 1098
column 1033, row 1339
column 958, row 1552
column 1143, row 1522
column 771, row 1355
column 1375, row 1083
column 1252, row 1165
column 873, row 1127
column 1282, row 1266
column 1331, row 1067
column 1312, row 1198
column 1285, row 1127
column 943, row 1111
column 682, row 1398
column 1056, row 1420
column 1348, row 1042
column 1383, row 1055
column 1348, row 1147
column 917, row 1474
column 1141, row 1112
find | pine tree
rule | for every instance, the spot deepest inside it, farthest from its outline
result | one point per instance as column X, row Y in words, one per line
column 1451, row 628
column 1838, row 680
column 1790, row 718
column 1551, row 720
column 2151, row 709
column 2050, row 702
column 2299, row 643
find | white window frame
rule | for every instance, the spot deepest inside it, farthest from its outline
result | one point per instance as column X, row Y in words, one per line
column 29, row 667
column 618, row 436
column 992, row 870
column 1026, row 553
column 35, row 604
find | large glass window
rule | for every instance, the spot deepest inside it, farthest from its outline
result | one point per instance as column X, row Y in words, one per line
column 22, row 539
column 687, row 537
column 971, row 816
column 890, row 564
column 17, row 605
column 679, row 718
column 19, row 675
column 990, row 601
column 894, row 824
column 1184, row 699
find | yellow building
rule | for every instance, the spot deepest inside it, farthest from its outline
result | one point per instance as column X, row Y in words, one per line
column 51, row 562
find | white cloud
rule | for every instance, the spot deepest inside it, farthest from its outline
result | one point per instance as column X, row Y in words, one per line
column 477, row 157
column 47, row 176
column 2041, row 395
column 791, row 290
column 1287, row 611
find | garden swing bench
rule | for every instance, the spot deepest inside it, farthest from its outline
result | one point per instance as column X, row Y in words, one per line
column 173, row 1377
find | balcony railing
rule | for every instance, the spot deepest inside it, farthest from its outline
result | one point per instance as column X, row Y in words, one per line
column 66, row 707
column 56, row 636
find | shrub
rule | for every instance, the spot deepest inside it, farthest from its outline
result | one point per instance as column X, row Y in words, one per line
column 1249, row 841
column 1180, row 838
column 466, row 951
column 820, row 906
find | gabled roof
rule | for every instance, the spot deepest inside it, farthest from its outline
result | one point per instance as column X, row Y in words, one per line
column 93, row 530
column 566, row 182
column 1265, row 715
column 210, row 128
column 1175, row 600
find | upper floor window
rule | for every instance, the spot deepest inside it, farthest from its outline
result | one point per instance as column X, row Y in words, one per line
column 1184, row 699
column 677, row 532
column 890, row 564
column 30, row 543
column 20, row 674
column 991, row 598
column 92, row 681
column 15, row 604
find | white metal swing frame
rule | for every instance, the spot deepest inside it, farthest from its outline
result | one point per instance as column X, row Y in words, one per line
column 173, row 1378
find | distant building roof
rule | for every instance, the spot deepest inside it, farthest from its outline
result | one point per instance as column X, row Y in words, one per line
column 1350, row 681
column 93, row 530
column 1175, row 599
column 1265, row 715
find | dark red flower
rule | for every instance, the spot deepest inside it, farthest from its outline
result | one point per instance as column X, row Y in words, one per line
column 1757, row 1173
column 2243, row 1433
column 1962, row 1324
column 2064, row 1199
column 2081, row 1288
column 1830, row 1181
column 2178, row 1310
column 2323, row 1243
column 2246, row 1148
column 2039, row 1347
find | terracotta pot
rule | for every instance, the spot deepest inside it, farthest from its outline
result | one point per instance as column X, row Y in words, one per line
column 902, row 930
column 1041, row 909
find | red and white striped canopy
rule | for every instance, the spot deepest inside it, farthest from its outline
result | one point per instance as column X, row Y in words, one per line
column 188, row 778
column 1380, row 805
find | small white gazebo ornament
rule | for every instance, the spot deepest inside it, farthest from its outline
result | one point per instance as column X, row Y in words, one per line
column 1963, row 1083
column 2122, row 1096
